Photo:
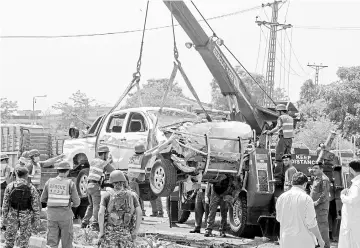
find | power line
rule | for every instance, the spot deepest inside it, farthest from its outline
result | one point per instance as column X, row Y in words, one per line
column 292, row 49
column 120, row 32
column 258, row 54
column 328, row 28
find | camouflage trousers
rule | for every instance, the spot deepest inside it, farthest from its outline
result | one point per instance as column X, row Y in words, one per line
column 116, row 237
column 14, row 223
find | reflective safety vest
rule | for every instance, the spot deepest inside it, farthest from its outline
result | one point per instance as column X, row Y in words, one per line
column 96, row 172
column 287, row 129
column 59, row 192
column 36, row 174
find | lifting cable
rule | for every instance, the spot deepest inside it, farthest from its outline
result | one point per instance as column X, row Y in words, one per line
column 215, row 36
column 135, row 81
column 186, row 79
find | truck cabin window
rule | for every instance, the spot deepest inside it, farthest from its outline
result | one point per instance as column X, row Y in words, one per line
column 116, row 123
column 136, row 123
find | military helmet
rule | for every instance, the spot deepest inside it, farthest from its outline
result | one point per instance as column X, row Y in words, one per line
column 103, row 149
column 97, row 162
column 117, row 176
column 140, row 148
column 63, row 165
column 281, row 107
column 34, row 152
column 25, row 154
column 4, row 156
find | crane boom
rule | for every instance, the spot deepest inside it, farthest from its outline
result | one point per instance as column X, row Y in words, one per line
column 229, row 81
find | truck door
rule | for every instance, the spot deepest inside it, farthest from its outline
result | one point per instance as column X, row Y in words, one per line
column 112, row 136
column 137, row 128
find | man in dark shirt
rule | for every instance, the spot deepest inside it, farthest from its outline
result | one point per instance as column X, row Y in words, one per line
column 320, row 193
column 218, row 191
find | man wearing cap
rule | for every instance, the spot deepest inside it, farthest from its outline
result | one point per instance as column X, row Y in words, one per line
column 320, row 193
column 21, row 204
column 290, row 170
column 5, row 174
column 96, row 175
column 285, row 126
column 60, row 195
column 350, row 212
column 119, row 227
column 35, row 165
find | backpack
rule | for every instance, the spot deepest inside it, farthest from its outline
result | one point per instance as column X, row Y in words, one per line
column 20, row 197
column 121, row 208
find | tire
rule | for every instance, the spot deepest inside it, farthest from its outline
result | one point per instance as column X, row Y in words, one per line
column 163, row 178
column 238, row 216
column 81, row 183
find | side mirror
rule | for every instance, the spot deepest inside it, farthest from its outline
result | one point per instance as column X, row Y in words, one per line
column 74, row 132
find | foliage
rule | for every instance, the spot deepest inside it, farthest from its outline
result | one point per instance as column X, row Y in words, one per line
column 80, row 105
column 255, row 89
column 312, row 110
column 309, row 92
column 152, row 94
column 7, row 108
column 343, row 100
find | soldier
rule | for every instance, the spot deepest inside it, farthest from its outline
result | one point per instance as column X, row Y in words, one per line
column 201, row 207
column 217, row 198
column 35, row 165
column 119, row 215
column 58, row 193
column 285, row 126
column 97, row 168
column 5, row 174
column 320, row 195
column 21, row 203
column 290, row 170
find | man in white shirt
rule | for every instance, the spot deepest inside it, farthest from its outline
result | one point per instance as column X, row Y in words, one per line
column 350, row 213
column 296, row 213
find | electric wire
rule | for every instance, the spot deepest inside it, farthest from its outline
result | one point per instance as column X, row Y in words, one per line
column 266, row 49
column 292, row 49
column 258, row 54
column 288, row 85
column 121, row 32
column 233, row 55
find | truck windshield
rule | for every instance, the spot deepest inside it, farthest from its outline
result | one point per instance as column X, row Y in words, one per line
column 94, row 126
column 169, row 117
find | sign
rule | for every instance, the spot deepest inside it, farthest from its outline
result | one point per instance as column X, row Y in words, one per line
column 57, row 189
column 304, row 159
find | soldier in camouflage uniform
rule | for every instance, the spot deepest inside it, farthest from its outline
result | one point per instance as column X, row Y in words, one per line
column 21, row 203
column 119, row 214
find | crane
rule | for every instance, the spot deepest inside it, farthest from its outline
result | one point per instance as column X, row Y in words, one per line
column 229, row 81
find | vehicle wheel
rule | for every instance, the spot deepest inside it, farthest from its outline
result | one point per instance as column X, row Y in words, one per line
column 163, row 178
column 238, row 216
column 81, row 183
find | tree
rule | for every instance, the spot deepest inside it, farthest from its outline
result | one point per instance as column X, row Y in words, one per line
column 343, row 100
column 255, row 89
column 152, row 94
column 80, row 105
column 7, row 108
column 309, row 92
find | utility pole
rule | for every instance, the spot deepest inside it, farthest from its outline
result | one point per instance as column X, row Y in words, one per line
column 317, row 69
column 274, row 27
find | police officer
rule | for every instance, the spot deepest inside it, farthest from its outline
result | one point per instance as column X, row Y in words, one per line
column 96, row 174
column 201, row 207
column 218, row 191
column 60, row 195
column 5, row 174
column 285, row 126
column 320, row 192
column 119, row 227
column 290, row 170
column 21, row 204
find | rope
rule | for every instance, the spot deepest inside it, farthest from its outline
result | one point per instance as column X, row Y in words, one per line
column 212, row 30
column 138, row 66
column 176, row 52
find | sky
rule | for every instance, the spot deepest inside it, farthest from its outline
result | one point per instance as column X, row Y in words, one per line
column 102, row 66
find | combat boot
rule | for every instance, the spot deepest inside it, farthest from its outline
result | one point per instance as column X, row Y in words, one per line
column 161, row 214
column 195, row 231
column 154, row 214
